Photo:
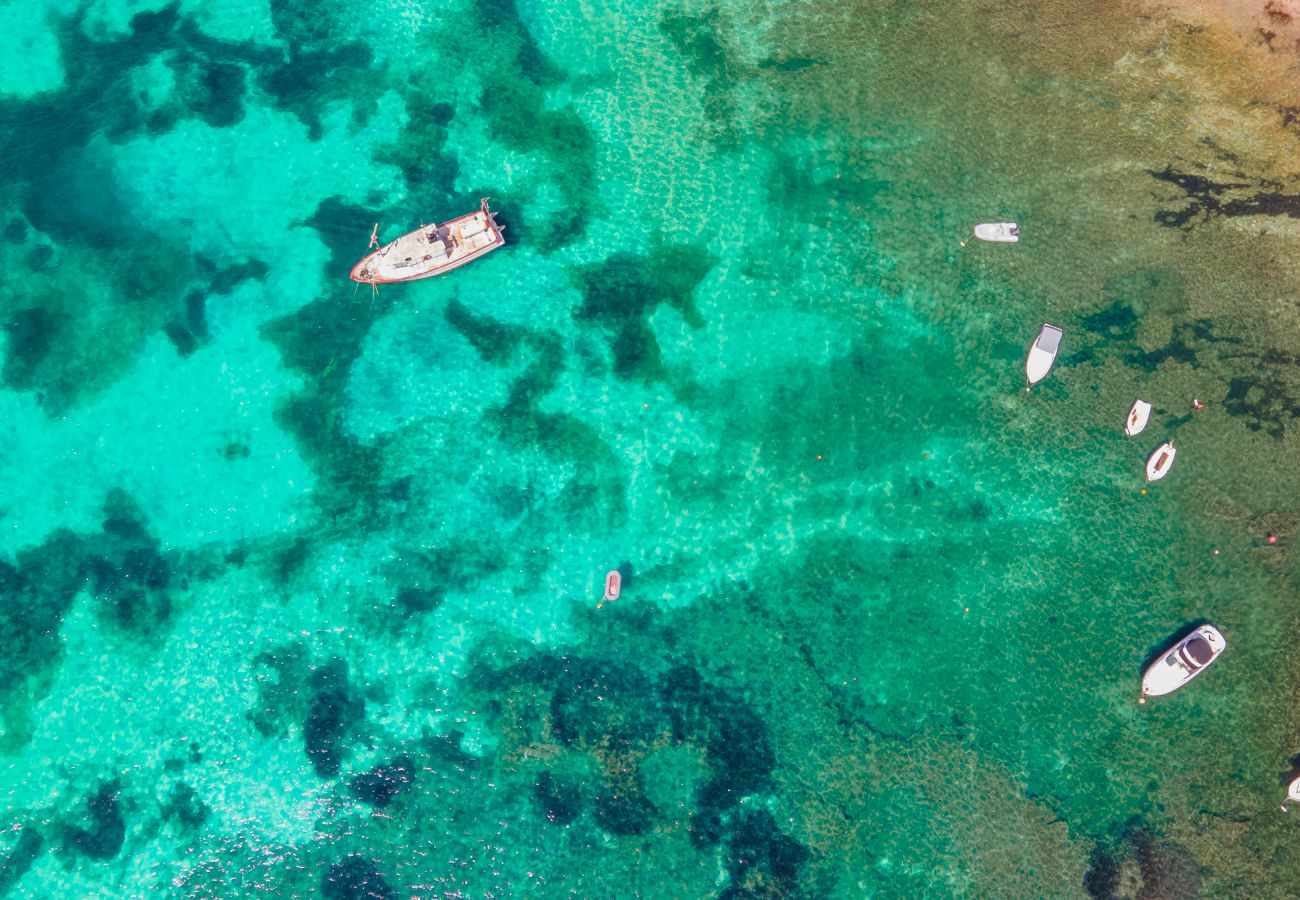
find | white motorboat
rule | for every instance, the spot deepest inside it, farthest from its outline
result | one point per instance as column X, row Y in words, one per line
column 1292, row 793
column 1137, row 418
column 1190, row 657
column 1042, row 354
column 998, row 232
column 1161, row 461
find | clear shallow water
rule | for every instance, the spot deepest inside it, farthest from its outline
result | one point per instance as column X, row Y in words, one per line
column 301, row 584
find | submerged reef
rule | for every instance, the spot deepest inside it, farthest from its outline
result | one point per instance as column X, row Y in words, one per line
column 319, row 699
column 380, row 785
column 622, row 720
column 1142, row 865
column 333, row 710
column 100, row 293
column 23, row 846
column 514, row 103
column 123, row 570
column 102, row 836
column 129, row 577
column 621, row 293
column 355, row 878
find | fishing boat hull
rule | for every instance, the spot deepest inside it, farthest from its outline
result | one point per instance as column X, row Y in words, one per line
column 1042, row 354
column 1161, row 461
column 432, row 250
column 998, row 232
column 1137, row 418
column 1190, row 657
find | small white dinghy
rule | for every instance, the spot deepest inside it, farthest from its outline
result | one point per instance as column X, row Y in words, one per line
column 1042, row 354
column 1292, row 793
column 998, row 232
column 1190, row 657
column 1161, row 461
column 1137, row 418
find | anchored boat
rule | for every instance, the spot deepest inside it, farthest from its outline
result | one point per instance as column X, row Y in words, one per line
column 1189, row 658
column 1137, row 418
column 1161, row 461
column 1042, row 354
column 613, row 584
column 998, row 232
column 432, row 249
column 1292, row 793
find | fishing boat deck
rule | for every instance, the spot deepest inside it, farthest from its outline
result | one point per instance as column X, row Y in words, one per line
column 432, row 249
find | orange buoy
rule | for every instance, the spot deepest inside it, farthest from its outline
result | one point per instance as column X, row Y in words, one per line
column 613, row 584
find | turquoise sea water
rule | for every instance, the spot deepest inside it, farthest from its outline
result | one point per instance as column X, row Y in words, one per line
column 301, row 585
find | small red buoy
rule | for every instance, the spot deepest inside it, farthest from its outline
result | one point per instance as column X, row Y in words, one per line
column 613, row 584
column 1272, row 538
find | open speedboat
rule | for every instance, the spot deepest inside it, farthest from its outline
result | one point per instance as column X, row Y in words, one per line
column 1137, row 418
column 1042, row 354
column 998, row 232
column 1190, row 657
column 1161, row 461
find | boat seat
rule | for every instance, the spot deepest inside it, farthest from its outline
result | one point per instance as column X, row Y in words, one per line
column 1199, row 651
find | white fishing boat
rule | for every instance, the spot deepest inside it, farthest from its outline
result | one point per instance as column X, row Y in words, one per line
column 1161, row 461
column 998, row 232
column 1042, row 354
column 1137, row 418
column 1190, row 657
column 431, row 249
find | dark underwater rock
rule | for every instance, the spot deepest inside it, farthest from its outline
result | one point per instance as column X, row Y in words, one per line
column 1102, row 879
column 103, row 839
column 382, row 783
column 625, row 811
column 761, row 859
column 333, row 711
column 25, row 851
column 558, row 800
column 599, row 704
column 355, row 878
column 184, row 804
column 128, row 574
column 281, row 680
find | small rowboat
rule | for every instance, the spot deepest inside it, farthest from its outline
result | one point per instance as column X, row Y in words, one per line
column 1161, row 461
column 1189, row 658
column 1137, row 418
column 1042, row 354
column 613, row 584
column 998, row 232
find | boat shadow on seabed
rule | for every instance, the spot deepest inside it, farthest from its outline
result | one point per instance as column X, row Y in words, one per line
column 1291, row 774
